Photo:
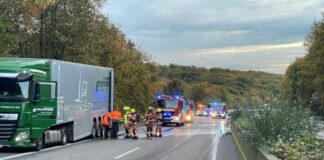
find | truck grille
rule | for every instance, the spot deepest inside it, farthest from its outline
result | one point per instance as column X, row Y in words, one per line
column 7, row 129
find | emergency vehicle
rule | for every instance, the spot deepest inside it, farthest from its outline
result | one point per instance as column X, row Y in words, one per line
column 200, row 109
column 173, row 109
column 219, row 110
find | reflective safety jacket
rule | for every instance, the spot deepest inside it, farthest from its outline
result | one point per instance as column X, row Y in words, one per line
column 105, row 120
column 159, row 118
column 125, row 117
column 132, row 118
column 115, row 115
column 149, row 117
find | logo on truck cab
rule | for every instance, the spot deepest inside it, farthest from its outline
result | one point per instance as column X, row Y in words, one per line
column 43, row 111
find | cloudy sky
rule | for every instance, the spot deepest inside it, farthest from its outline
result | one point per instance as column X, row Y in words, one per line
column 264, row 35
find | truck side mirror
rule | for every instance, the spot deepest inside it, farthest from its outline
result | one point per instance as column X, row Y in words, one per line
column 36, row 91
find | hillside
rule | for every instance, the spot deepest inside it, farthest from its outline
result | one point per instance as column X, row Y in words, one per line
column 237, row 88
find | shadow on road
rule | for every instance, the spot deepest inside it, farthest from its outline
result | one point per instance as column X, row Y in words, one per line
column 15, row 150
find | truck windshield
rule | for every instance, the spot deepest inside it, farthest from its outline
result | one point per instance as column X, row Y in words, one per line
column 168, row 103
column 12, row 91
column 219, row 108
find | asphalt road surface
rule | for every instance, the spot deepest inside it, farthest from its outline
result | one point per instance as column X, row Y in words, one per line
column 197, row 141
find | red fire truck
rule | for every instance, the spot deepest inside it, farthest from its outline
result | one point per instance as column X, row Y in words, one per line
column 173, row 109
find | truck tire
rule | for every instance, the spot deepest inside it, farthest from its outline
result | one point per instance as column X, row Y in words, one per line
column 94, row 130
column 70, row 133
column 39, row 144
column 64, row 136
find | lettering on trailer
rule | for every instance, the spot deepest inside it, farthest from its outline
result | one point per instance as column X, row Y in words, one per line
column 43, row 111
column 9, row 107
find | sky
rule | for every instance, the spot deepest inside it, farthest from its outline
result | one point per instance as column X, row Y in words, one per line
column 261, row 35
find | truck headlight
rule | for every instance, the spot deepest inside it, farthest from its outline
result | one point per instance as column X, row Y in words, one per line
column 22, row 136
column 176, row 118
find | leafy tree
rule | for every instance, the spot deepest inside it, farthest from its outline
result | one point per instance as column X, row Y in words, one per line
column 304, row 78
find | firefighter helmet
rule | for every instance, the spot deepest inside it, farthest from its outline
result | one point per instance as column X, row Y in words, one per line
column 132, row 110
column 126, row 108
column 158, row 110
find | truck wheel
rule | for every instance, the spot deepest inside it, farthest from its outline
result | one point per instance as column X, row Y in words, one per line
column 70, row 133
column 64, row 136
column 94, row 130
column 39, row 144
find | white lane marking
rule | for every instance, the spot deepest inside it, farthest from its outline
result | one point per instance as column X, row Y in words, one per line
column 122, row 132
column 124, row 154
column 18, row 155
column 46, row 149
column 168, row 134
column 215, row 143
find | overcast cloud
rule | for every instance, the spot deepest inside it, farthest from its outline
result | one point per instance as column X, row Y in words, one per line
column 264, row 35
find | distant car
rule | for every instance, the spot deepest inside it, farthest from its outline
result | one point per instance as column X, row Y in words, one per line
column 213, row 115
column 200, row 112
column 217, row 114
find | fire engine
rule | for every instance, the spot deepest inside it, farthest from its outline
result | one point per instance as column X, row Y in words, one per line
column 218, row 110
column 173, row 109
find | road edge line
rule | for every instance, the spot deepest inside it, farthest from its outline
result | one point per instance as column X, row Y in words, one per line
column 17, row 155
column 238, row 146
column 43, row 150
column 126, row 153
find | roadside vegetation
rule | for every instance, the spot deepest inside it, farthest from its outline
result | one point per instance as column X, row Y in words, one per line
column 287, row 129
column 288, row 133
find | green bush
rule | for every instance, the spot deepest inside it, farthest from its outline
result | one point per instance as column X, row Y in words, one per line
column 298, row 148
column 286, row 132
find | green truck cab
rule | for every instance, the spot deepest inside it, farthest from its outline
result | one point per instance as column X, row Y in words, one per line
column 48, row 101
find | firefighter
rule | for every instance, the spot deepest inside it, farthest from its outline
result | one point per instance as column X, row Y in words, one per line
column 106, row 124
column 126, row 120
column 115, row 117
column 158, row 123
column 149, row 118
column 133, row 123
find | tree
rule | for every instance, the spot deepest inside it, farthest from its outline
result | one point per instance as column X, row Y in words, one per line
column 304, row 78
column 199, row 92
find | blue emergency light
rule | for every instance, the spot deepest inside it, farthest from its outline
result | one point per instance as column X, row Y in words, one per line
column 167, row 114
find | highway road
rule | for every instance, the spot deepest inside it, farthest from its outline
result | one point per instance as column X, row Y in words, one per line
column 196, row 141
